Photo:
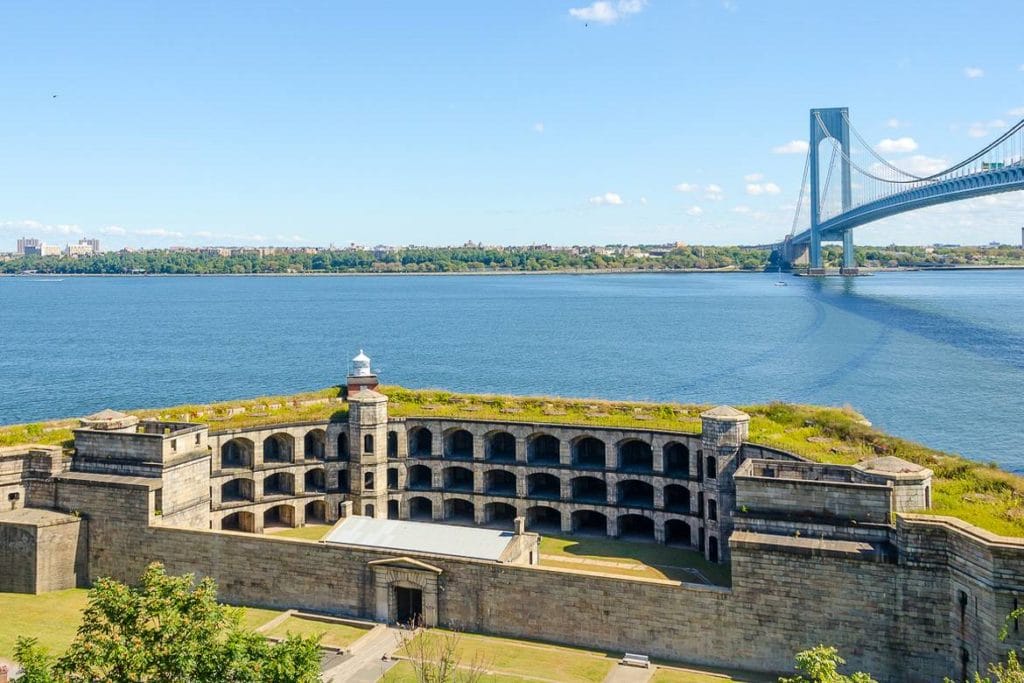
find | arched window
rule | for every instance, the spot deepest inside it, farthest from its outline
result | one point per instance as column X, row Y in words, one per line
column 368, row 443
column 711, row 469
column 368, row 481
column 712, row 510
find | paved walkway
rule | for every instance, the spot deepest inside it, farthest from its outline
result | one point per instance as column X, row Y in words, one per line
column 364, row 664
column 621, row 673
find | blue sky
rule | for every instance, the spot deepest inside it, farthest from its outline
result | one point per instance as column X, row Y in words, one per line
column 426, row 122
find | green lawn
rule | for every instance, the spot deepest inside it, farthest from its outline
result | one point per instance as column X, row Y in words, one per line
column 254, row 617
column 513, row 660
column 656, row 561
column 334, row 634
column 404, row 673
column 53, row 618
column 310, row 532
column 679, row 676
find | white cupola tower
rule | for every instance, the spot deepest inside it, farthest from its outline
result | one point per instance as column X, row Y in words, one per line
column 361, row 365
column 361, row 375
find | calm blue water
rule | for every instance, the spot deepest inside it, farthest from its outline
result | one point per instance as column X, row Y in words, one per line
column 936, row 357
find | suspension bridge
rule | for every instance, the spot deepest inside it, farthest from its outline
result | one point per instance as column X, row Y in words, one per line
column 881, row 189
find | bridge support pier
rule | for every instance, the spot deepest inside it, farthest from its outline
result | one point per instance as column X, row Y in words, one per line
column 849, row 257
column 816, row 265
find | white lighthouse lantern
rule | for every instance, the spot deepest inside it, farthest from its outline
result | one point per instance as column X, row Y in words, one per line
column 361, row 375
column 361, row 365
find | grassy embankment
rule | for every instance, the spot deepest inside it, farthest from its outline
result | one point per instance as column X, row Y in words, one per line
column 54, row 617
column 978, row 493
column 514, row 660
column 510, row 659
column 331, row 634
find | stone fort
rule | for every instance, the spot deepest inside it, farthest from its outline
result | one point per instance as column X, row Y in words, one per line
column 817, row 553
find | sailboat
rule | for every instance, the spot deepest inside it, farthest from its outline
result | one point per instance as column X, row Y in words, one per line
column 779, row 282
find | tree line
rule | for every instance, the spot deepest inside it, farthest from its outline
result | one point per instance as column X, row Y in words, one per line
column 408, row 260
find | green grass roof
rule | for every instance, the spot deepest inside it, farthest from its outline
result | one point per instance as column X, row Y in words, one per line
column 979, row 493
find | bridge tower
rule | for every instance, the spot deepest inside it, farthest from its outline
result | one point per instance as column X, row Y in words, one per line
column 836, row 122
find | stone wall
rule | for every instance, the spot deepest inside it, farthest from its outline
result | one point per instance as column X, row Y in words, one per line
column 41, row 551
column 185, row 493
column 23, row 469
column 827, row 499
column 784, row 597
column 17, row 558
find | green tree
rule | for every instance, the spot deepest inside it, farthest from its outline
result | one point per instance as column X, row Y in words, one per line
column 168, row 629
column 821, row 665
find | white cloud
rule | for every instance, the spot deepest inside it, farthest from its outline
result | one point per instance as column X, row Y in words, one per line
column 643, row 200
column 694, row 211
column 538, row 127
column 917, row 164
column 756, row 189
column 1020, row 68
column 753, row 177
column 982, row 129
column 606, row 199
column 714, row 192
column 730, row 5
column 792, row 147
column 973, row 72
column 896, row 145
column 157, row 232
column 1019, row 111
column 607, row 12
column 685, row 187
column 895, row 123
column 741, row 209
column 30, row 228
column 116, row 230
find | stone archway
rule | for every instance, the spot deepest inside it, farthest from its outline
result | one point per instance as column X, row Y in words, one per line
column 403, row 587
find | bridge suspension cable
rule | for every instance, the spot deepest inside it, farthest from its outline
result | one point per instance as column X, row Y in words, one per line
column 803, row 192
column 919, row 179
column 871, row 149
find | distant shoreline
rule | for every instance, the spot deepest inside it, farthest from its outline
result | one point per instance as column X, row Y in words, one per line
column 562, row 271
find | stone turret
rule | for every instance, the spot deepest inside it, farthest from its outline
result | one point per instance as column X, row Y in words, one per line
column 911, row 484
column 109, row 421
column 368, row 443
column 112, row 444
column 723, row 431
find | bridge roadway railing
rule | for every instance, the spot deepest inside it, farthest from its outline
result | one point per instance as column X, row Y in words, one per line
column 1005, row 179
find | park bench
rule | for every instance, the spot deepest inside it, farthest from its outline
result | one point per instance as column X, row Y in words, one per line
column 633, row 659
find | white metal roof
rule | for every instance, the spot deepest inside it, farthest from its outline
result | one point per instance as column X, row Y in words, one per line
column 422, row 537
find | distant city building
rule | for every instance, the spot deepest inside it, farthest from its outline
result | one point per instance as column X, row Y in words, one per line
column 49, row 250
column 93, row 243
column 76, row 250
column 28, row 243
